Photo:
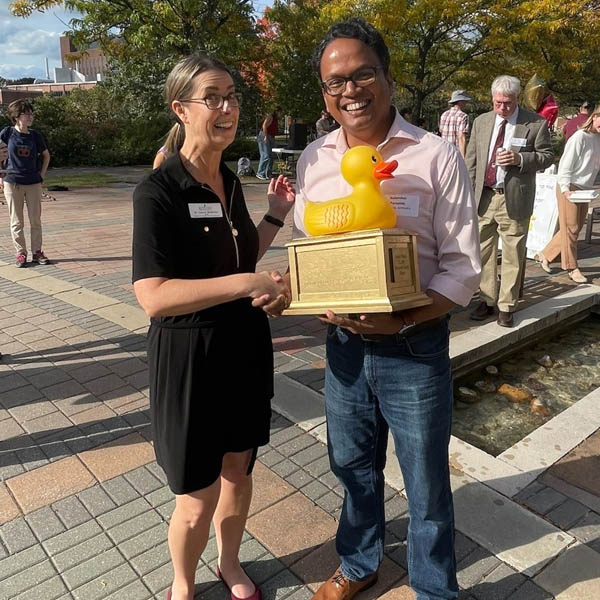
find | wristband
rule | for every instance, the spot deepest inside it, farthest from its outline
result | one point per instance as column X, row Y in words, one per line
column 273, row 220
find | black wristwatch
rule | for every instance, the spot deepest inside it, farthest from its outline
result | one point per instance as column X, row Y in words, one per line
column 273, row 220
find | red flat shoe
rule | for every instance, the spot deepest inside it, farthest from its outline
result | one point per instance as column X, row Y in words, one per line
column 257, row 593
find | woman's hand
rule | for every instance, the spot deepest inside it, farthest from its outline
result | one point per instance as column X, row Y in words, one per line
column 275, row 307
column 281, row 195
column 270, row 288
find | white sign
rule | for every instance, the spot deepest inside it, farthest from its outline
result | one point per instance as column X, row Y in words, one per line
column 406, row 206
column 544, row 220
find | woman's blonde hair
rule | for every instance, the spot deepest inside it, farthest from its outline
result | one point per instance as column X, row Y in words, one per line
column 587, row 126
column 180, row 86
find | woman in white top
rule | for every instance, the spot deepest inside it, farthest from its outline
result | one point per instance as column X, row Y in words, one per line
column 577, row 170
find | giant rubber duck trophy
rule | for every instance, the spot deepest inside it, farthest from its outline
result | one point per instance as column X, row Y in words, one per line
column 357, row 262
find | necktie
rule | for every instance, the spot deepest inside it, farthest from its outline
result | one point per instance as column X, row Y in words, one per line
column 490, row 172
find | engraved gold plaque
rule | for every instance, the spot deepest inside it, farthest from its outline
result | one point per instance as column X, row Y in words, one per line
column 371, row 271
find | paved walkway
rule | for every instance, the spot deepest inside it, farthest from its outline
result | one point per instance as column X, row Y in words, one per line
column 84, row 507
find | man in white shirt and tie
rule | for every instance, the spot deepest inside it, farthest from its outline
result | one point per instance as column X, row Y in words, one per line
column 508, row 146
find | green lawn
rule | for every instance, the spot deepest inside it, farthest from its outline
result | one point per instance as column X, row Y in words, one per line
column 79, row 180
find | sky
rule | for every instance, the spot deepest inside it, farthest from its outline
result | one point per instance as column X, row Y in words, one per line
column 24, row 43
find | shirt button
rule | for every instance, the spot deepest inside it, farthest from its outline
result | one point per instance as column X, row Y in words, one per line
column 207, row 228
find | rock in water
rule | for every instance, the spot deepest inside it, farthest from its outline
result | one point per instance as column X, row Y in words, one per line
column 540, row 407
column 482, row 430
column 491, row 370
column 536, row 384
column 545, row 361
column 515, row 394
column 468, row 395
column 458, row 405
column 485, row 386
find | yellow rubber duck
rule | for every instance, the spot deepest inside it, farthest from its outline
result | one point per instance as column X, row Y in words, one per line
column 366, row 207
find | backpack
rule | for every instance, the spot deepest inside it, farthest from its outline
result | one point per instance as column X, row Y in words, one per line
column 244, row 166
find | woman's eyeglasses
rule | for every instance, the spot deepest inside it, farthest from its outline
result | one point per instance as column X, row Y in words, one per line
column 216, row 101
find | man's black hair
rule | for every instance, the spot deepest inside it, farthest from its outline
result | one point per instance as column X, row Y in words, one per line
column 355, row 29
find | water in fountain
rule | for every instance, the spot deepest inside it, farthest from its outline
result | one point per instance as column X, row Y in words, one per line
column 499, row 405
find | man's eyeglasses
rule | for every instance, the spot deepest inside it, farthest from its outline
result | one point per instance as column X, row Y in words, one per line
column 364, row 77
column 216, row 101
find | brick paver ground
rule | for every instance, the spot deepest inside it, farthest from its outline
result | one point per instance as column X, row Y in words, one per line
column 83, row 506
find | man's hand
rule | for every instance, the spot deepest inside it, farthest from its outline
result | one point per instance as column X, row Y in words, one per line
column 508, row 158
column 275, row 307
column 377, row 323
column 390, row 323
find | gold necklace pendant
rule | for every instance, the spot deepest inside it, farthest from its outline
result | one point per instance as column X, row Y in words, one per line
column 234, row 231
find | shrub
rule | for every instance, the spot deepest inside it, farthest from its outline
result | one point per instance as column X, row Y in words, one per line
column 95, row 128
column 242, row 146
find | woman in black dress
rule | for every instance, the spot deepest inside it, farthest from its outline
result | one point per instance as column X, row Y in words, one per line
column 210, row 357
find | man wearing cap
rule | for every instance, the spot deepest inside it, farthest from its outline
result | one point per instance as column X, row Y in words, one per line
column 572, row 125
column 454, row 123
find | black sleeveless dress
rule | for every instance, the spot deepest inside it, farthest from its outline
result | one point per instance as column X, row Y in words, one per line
column 211, row 371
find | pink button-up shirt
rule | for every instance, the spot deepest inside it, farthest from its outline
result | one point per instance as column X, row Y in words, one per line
column 430, row 191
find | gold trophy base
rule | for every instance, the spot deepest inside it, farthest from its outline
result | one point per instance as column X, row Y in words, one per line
column 371, row 271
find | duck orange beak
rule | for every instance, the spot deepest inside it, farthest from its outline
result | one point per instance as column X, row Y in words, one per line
column 384, row 170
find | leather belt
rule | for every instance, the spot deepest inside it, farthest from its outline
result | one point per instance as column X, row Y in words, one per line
column 498, row 190
column 385, row 337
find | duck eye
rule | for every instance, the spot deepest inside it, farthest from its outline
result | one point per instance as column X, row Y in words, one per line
column 373, row 159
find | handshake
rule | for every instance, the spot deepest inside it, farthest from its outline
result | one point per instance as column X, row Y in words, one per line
column 271, row 292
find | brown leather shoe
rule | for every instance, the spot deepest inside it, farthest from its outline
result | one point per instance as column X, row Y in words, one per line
column 505, row 319
column 481, row 312
column 339, row 587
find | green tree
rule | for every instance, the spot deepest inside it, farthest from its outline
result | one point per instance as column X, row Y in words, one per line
column 131, row 28
column 143, row 39
column 291, row 31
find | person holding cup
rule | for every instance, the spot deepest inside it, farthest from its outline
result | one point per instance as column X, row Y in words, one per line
column 508, row 146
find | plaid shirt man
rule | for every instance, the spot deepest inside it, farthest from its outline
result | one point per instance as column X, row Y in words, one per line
column 453, row 122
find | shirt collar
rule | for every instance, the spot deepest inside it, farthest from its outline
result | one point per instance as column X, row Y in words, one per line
column 512, row 120
column 173, row 169
column 400, row 128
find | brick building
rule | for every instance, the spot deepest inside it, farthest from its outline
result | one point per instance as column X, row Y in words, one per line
column 90, row 62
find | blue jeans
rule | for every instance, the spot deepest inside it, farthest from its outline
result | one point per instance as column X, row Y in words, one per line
column 403, row 385
column 265, row 145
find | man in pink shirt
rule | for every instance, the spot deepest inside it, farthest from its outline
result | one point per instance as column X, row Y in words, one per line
column 391, row 371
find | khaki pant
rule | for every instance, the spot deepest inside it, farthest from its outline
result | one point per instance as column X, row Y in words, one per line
column 493, row 222
column 16, row 197
column 571, row 218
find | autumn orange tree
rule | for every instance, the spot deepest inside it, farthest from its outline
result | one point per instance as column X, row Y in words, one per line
column 440, row 45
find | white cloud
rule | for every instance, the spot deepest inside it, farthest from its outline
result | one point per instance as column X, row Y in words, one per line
column 33, row 43
column 18, row 71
